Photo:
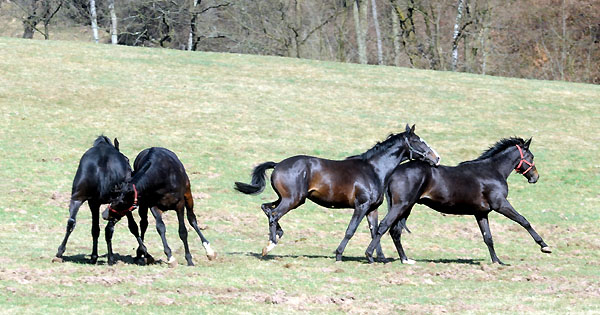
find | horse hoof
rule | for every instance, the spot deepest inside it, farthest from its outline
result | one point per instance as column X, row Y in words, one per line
column 212, row 257
column 172, row 262
column 408, row 261
column 265, row 251
column 57, row 260
column 546, row 249
column 149, row 259
column 338, row 257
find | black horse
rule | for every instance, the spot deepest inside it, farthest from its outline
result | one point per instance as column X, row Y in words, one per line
column 159, row 182
column 474, row 187
column 100, row 168
column 357, row 182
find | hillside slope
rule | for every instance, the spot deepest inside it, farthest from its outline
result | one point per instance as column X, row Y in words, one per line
column 223, row 114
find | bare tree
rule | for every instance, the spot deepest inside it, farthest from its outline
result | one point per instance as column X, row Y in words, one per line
column 456, row 34
column 94, row 20
column 377, row 33
column 361, row 25
column 36, row 11
column 113, row 22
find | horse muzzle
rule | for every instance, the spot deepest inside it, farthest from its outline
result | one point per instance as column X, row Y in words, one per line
column 105, row 214
column 534, row 176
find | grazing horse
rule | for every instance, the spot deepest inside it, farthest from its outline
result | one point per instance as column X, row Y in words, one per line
column 100, row 168
column 159, row 182
column 474, row 187
column 357, row 182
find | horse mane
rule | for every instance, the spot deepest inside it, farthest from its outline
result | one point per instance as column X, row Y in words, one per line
column 378, row 147
column 102, row 139
column 498, row 147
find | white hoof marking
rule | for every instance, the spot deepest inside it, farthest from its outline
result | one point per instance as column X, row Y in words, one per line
column 408, row 261
column 209, row 251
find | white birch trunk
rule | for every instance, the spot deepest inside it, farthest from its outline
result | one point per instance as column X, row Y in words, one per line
column 94, row 20
column 113, row 22
column 192, row 26
column 377, row 33
column 456, row 33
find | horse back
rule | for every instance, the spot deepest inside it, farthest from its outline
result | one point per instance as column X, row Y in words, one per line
column 159, row 173
column 100, row 168
column 329, row 183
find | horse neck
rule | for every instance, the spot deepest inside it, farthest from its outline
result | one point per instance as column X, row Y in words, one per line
column 506, row 161
column 385, row 163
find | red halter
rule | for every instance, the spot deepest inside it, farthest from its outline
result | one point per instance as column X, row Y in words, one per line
column 133, row 207
column 531, row 164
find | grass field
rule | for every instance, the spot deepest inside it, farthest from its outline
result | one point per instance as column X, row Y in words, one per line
column 225, row 113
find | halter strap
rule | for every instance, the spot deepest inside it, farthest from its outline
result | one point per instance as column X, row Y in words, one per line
column 133, row 207
column 412, row 150
column 523, row 160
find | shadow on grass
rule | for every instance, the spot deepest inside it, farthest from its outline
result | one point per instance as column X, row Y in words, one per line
column 328, row 257
column 127, row 259
column 357, row 259
column 452, row 261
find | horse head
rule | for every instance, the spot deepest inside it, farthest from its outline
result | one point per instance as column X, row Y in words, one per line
column 123, row 199
column 526, row 166
column 418, row 148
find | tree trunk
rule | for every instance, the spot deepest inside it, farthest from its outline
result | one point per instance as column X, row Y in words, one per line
column 193, row 29
column 395, row 34
column 377, row 33
column 456, row 34
column 360, row 23
column 113, row 22
column 94, row 20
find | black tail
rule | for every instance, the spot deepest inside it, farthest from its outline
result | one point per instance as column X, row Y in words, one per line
column 258, row 180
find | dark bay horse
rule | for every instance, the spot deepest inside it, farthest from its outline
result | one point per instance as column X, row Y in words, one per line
column 474, row 187
column 100, row 168
column 357, row 182
column 159, row 182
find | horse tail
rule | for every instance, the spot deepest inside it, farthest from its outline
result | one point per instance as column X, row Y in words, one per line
column 258, row 180
column 403, row 224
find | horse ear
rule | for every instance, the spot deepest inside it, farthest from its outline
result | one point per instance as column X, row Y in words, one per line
column 407, row 128
column 527, row 143
column 117, row 144
column 412, row 130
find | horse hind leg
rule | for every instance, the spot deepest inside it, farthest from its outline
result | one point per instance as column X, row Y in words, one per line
column 373, row 224
column 189, row 205
column 71, row 222
column 284, row 206
column 183, row 235
column 161, row 229
column 267, row 208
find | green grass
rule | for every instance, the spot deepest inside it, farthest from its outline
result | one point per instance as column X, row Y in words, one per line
column 224, row 113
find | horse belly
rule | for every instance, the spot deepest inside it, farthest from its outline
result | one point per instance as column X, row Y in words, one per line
column 453, row 208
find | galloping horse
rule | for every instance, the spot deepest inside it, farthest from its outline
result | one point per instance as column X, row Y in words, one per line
column 357, row 182
column 159, row 182
column 474, row 187
column 100, row 168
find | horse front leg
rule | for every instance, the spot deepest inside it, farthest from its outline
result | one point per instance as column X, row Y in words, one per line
column 391, row 217
column 95, row 209
column 508, row 211
column 141, row 251
column 108, row 234
column 73, row 209
column 359, row 213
